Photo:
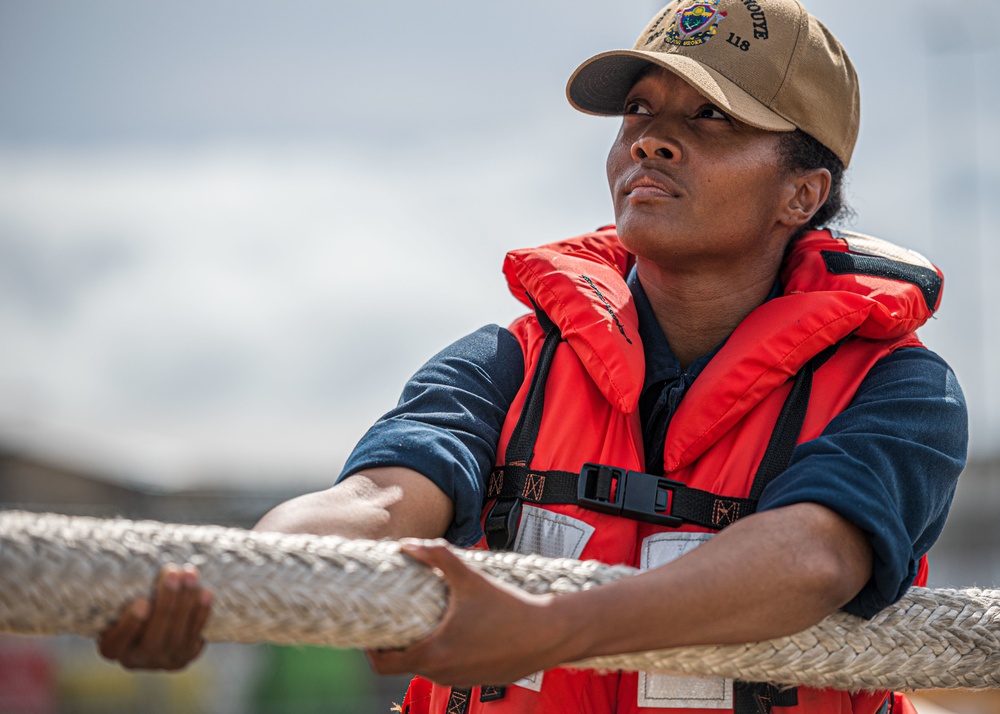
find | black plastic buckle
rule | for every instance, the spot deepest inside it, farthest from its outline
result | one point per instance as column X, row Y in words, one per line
column 500, row 524
column 637, row 495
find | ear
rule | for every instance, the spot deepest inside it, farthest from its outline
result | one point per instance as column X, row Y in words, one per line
column 807, row 194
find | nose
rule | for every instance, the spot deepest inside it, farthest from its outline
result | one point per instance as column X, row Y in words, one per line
column 651, row 146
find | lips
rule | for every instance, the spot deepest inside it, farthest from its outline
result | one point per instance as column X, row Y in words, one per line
column 646, row 185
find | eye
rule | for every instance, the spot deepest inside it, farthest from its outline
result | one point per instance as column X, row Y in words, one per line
column 635, row 106
column 710, row 111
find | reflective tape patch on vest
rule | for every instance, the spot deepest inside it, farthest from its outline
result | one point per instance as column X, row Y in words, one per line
column 667, row 691
column 532, row 682
column 552, row 535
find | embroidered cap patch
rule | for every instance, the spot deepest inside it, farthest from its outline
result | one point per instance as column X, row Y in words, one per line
column 695, row 24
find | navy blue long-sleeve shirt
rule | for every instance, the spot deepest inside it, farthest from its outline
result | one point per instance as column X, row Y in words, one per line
column 888, row 464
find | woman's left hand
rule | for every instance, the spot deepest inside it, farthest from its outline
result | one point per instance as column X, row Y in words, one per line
column 491, row 632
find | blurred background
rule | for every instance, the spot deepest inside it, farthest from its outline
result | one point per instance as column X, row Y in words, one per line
column 229, row 231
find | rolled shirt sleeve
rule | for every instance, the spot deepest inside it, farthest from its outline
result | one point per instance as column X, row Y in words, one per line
column 447, row 423
column 889, row 464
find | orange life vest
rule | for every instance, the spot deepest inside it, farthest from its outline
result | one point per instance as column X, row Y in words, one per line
column 860, row 294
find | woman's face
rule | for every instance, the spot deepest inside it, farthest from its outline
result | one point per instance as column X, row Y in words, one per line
column 690, row 183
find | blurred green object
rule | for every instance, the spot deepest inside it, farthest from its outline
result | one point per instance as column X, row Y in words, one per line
column 314, row 680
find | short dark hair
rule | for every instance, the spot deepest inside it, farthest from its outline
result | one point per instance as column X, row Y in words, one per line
column 800, row 152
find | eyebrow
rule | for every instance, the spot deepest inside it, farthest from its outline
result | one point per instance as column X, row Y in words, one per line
column 646, row 71
column 649, row 69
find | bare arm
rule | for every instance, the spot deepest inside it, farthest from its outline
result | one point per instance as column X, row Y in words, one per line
column 772, row 574
column 391, row 502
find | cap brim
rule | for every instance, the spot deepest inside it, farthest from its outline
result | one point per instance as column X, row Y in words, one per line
column 601, row 84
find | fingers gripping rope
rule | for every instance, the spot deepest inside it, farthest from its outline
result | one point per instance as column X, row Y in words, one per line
column 60, row 574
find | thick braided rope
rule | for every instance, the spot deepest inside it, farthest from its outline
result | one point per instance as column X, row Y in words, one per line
column 61, row 574
column 72, row 575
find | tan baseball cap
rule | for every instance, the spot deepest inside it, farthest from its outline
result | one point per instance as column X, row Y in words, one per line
column 768, row 63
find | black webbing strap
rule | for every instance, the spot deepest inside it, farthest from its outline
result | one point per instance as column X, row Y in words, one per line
column 691, row 505
column 500, row 524
column 458, row 701
column 459, row 698
column 759, row 698
column 490, row 693
column 514, row 481
column 789, row 424
column 755, row 697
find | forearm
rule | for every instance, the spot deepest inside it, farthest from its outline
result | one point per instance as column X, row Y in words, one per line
column 378, row 503
column 773, row 574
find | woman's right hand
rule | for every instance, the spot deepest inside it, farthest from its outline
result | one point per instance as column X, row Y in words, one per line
column 164, row 631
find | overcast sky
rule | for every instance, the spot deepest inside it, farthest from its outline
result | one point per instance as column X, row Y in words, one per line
column 230, row 231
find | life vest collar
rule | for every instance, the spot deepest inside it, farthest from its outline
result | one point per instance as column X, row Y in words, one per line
column 904, row 286
column 579, row 284
column 835, row 284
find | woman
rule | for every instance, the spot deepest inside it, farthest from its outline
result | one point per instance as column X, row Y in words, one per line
column 768, row 370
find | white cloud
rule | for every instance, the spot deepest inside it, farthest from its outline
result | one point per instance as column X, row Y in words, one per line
column 258, row 306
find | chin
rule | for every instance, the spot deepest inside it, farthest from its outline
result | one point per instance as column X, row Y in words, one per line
column 642, row 238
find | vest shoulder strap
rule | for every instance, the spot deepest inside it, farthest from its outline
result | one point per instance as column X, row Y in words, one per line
column 500, row 525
